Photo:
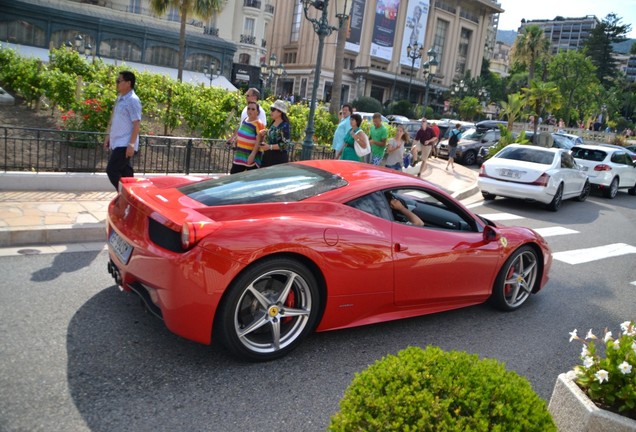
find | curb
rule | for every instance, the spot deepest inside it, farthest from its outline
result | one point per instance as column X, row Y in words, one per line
column 53, row 234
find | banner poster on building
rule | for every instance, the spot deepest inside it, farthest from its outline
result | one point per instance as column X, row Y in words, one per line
column 383, row 37
column 355, row 26
column 414, row 29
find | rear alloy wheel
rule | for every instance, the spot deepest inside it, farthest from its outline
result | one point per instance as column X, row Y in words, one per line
column 612, row 190
column 516, row 279
column 269, row 309
column 469, row 158
column 555, row 204
column 585, row 192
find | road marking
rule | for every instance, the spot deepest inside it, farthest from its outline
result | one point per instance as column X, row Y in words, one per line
column 633, row 283
column 554, row 231
column 580, row 256
column 500, row 216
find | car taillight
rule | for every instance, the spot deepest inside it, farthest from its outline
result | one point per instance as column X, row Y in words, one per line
column 188, row 235
column 602, row 167
column 543, row 180
column 482, row 172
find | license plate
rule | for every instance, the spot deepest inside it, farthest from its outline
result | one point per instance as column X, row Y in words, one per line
column 510, row 173
column 120, row 246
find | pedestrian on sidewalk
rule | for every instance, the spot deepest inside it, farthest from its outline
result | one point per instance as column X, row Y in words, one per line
column 395, row 149
column 248, row 137
column 122, row 133
column 342, row 130
column 453, row 140
column 275, row 139
column 378, row 134
column 251, row 95
column 424, row 141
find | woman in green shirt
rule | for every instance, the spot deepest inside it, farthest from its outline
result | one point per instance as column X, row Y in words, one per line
column 355, row 134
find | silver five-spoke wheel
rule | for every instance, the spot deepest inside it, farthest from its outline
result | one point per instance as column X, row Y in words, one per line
column 516, row 279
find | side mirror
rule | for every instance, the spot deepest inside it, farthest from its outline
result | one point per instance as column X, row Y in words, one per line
column 491, row 234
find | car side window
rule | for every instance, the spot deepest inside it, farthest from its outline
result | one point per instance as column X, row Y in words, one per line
column 374, row 204
column 567, row 161
column 619, row 158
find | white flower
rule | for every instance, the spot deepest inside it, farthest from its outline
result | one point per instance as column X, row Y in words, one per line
column 584, row 351
column 616, row 344
column 573, row 335
column 625, row 368
column 588, row 362
column 608, row 336
column 590, row 335
column 628, row 328
column 602, row 375
column 634, row 346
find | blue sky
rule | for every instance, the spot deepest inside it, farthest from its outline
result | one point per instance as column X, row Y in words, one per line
column 515, row 10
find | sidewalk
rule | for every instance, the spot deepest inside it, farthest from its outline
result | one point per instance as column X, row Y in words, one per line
column 50, row 214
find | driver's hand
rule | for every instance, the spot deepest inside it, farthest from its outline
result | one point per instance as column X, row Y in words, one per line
column 396, row 204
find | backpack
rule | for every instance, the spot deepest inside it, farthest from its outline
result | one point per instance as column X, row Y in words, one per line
column 452, row 141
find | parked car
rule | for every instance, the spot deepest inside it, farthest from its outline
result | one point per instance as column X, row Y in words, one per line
column 608, row 168
column 411, row 127
column 630, row 153
column 574, row 138
column 470, row 144
column 260, row 259
column 546, row 175
column 631, row 148
column 557, row 142
column 489, row 124
column 397, row 119
column 369, row 117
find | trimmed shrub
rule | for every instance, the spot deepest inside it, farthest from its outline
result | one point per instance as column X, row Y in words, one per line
column 367, row 104
column 433, row 390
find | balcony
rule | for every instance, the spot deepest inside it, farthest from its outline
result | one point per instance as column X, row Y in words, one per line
column 252, row 3
column 269, row 9
column 212, row 31
column 248, row 39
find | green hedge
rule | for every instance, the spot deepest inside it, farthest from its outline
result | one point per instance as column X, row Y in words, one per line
column 433, row 390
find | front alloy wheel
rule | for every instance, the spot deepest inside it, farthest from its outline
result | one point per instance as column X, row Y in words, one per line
column 585, row 192
column 516, row 279
column 612, row 190
column 269, row 309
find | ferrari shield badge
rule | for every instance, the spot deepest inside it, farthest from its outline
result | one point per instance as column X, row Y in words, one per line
column 503, row 241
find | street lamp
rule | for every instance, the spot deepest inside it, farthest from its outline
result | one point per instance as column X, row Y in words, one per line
column 210, row 72
column 458, row 89
column 322, row 29
column 413, row 52
column 268, row 71
column 430, row 68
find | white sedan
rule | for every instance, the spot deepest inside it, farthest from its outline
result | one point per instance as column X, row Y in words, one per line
column 609, row 167
column 546, row 175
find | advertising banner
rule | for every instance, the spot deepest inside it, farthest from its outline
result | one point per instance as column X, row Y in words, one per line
column 414, row 29
column 383, row 38
column 355, row 26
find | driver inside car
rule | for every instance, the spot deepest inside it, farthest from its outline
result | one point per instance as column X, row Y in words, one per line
column 411, row 217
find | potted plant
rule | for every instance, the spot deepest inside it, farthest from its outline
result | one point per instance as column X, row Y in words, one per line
column 599, row 394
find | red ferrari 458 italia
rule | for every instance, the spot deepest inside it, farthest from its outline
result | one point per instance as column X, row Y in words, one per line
column 260, row 259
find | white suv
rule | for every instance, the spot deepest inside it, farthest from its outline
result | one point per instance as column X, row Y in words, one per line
column 608, row 168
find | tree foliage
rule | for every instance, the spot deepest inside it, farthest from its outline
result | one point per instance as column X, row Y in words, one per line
column 529, row 47
column 512, row 108
column 575, row 76
column 599, row 46
column 541, row 97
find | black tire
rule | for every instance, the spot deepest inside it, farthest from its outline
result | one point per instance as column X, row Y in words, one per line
column 268, row 310
column 469, row 158
column 516, row 279
column 585, row 192
column 557, row 200
column 612, row 190
column 632, row 191
column 488, row 196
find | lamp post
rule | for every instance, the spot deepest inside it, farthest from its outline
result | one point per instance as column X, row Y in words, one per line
column 430, row 68
column 414, row 52
column 271, row 69
column 323, row 29
column 458, row 89
column 210, row 72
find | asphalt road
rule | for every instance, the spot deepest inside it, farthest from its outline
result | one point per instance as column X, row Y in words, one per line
column 78, row 355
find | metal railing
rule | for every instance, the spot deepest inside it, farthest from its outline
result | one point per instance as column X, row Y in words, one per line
column 50, row 150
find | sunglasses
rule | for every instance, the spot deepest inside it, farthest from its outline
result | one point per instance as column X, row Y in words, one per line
column 119, row 81
column 273, row 109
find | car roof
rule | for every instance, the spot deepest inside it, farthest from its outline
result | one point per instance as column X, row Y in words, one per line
column 369, row 116
column 607, row 148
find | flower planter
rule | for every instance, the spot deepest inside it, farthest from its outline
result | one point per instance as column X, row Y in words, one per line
column 573, row 411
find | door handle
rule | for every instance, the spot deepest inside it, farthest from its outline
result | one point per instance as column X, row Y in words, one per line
column 400, row 247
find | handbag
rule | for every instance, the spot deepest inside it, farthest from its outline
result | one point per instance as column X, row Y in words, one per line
column 362, row 151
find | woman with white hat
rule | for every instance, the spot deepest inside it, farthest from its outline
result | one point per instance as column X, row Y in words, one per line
column 275, row 140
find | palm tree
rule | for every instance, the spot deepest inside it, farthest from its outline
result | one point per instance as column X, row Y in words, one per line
column 202, row 8
column 512, row 108
column 529, row 47
column 541, row 96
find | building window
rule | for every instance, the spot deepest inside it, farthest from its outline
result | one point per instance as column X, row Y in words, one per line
column 439, row 41
column 244, row 58
column 161, row 56
column 135, row 6
column 303, row 88
column 122, row 49
column 296, row 18
column 377, row 93
column 462, row 52
column 326, row 95
column 248, row 28
column 173, row 14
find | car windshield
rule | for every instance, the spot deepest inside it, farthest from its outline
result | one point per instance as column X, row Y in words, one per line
column 473, row 134
column 527, row 154
column 588, row 154
column 280, row 183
